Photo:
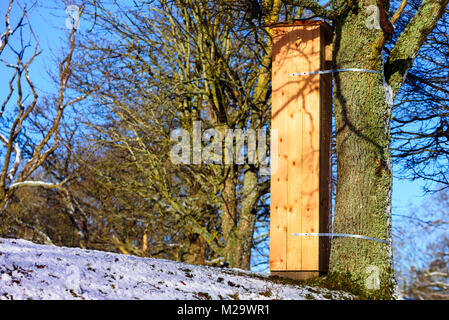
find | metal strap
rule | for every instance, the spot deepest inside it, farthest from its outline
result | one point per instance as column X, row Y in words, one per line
column 338, row 235
column 333, row 71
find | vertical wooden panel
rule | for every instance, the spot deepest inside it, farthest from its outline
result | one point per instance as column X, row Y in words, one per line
column 297, row 43
column 300, row 187
column 309, row 185
column 279, row 178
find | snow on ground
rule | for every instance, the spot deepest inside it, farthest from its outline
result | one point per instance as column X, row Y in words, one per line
column 32, row 271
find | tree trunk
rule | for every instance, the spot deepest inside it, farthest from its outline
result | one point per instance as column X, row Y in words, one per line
column 250, row 196
column 364, row 173
column 229, row 217
column 238, row 231
column 195, row 250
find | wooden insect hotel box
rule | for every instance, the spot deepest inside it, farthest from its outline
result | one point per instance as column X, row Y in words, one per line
column 301, row 115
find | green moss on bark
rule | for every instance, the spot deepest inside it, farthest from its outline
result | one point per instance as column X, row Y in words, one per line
column 363, row 200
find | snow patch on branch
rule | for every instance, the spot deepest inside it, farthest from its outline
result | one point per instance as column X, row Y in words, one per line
column 31, row 183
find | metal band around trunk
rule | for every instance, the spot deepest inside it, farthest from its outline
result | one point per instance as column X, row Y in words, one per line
column 333, row 71
column 344, row 235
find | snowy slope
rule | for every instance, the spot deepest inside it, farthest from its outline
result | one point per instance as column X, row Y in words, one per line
column 31, row 271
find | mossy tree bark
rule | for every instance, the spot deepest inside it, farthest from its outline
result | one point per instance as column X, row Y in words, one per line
column 363, row 106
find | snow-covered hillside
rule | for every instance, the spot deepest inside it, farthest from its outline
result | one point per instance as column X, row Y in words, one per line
column 31, row 271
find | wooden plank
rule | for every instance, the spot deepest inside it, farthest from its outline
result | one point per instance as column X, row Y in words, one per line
column 310, row 161
column 298, row 41
column 279, row 178
column 327, row 48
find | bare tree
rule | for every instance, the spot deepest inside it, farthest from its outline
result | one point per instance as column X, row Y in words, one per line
column 168, row 64
column 420, row 125
column 18, row 167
